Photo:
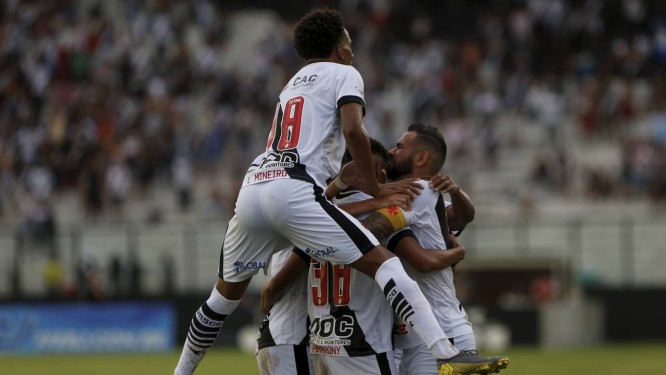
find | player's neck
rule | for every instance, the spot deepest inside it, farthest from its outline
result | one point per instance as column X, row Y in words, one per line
column 312, row 61
column 415, row 174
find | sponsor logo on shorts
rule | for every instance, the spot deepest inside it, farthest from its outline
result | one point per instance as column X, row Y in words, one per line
column 326, row 349
column 321, row 253
column 244, row 266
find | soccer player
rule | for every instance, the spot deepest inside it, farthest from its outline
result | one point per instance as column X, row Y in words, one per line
column 283, row 344
column 421, row 152
column 282, row 201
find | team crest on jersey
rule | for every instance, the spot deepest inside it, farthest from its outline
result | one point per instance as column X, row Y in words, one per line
column 401, row 329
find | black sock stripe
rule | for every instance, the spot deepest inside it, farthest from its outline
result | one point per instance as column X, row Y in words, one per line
column 205, row 335
column 209, row 313
column 204, row 328
column 402, row 307
column 404, row 318
column 388, row 287
column 301, row 359
column 200, row 343
column 382, row 361
column 407, row 313
column 396, row 301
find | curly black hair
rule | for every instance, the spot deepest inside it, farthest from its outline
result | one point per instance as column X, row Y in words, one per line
column 318, row 33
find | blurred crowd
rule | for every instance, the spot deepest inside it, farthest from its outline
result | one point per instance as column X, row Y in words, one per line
column 108, row 98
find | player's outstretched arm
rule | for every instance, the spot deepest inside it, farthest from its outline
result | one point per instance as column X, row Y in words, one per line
column 426, row 260
column 275, row 286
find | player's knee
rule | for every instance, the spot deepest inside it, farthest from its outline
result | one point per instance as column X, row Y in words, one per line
column 232, row 290
column 370, row 262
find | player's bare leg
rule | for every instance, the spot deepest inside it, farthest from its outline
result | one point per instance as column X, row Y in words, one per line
column 207, row 322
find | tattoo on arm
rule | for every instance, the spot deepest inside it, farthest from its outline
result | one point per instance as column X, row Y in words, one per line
column 378, row 225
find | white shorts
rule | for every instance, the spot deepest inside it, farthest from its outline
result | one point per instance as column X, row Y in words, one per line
column 272, row 215
column 377, row 364
column 419, row 360
column 285, row 360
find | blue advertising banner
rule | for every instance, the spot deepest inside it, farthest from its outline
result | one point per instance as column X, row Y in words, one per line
column 86, row 328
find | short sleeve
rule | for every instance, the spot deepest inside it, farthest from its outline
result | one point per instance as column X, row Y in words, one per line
column 395, row 238
column 349, row 87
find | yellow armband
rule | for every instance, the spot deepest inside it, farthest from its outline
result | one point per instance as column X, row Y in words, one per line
column 395, row 216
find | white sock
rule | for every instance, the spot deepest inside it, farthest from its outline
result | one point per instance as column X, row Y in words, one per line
column 204, row 328
column 412, row 307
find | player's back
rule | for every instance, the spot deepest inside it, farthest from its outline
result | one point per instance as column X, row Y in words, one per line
column 306, row 138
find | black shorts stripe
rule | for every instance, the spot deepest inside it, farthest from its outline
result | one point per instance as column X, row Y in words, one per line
column 301, row 359
column 357, row 236
column 221, row 264
column 383, row 363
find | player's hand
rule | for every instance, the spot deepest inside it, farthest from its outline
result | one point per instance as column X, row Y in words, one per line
column 408, row 186
column 457, row 250
column 442, row 182
column 403, row 201
column 351, row 175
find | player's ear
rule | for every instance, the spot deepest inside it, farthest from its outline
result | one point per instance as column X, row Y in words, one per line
column 382, row 178
column 422, row 158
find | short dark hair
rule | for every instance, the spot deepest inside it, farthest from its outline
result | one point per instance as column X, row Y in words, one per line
column 376, row 148
column 318, row 33
column 429, row 138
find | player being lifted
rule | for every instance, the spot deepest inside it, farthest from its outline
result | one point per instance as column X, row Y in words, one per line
column 282, row 200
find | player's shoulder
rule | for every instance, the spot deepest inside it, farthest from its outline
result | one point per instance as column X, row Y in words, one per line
column 428, row 195
column 351, row 196
column 346, row 70
column 427, row 189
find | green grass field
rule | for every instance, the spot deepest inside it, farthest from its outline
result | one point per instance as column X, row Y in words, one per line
column 607, row 360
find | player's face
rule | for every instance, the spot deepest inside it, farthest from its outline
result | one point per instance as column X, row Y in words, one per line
column 401, row 156
column 344, row 49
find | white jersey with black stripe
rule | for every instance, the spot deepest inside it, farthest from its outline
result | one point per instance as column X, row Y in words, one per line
column 349, row 315
column 286, row 323
column 430, row 230
column 306, row 141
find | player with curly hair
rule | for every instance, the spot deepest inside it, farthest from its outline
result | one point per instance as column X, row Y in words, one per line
column 282, row 200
